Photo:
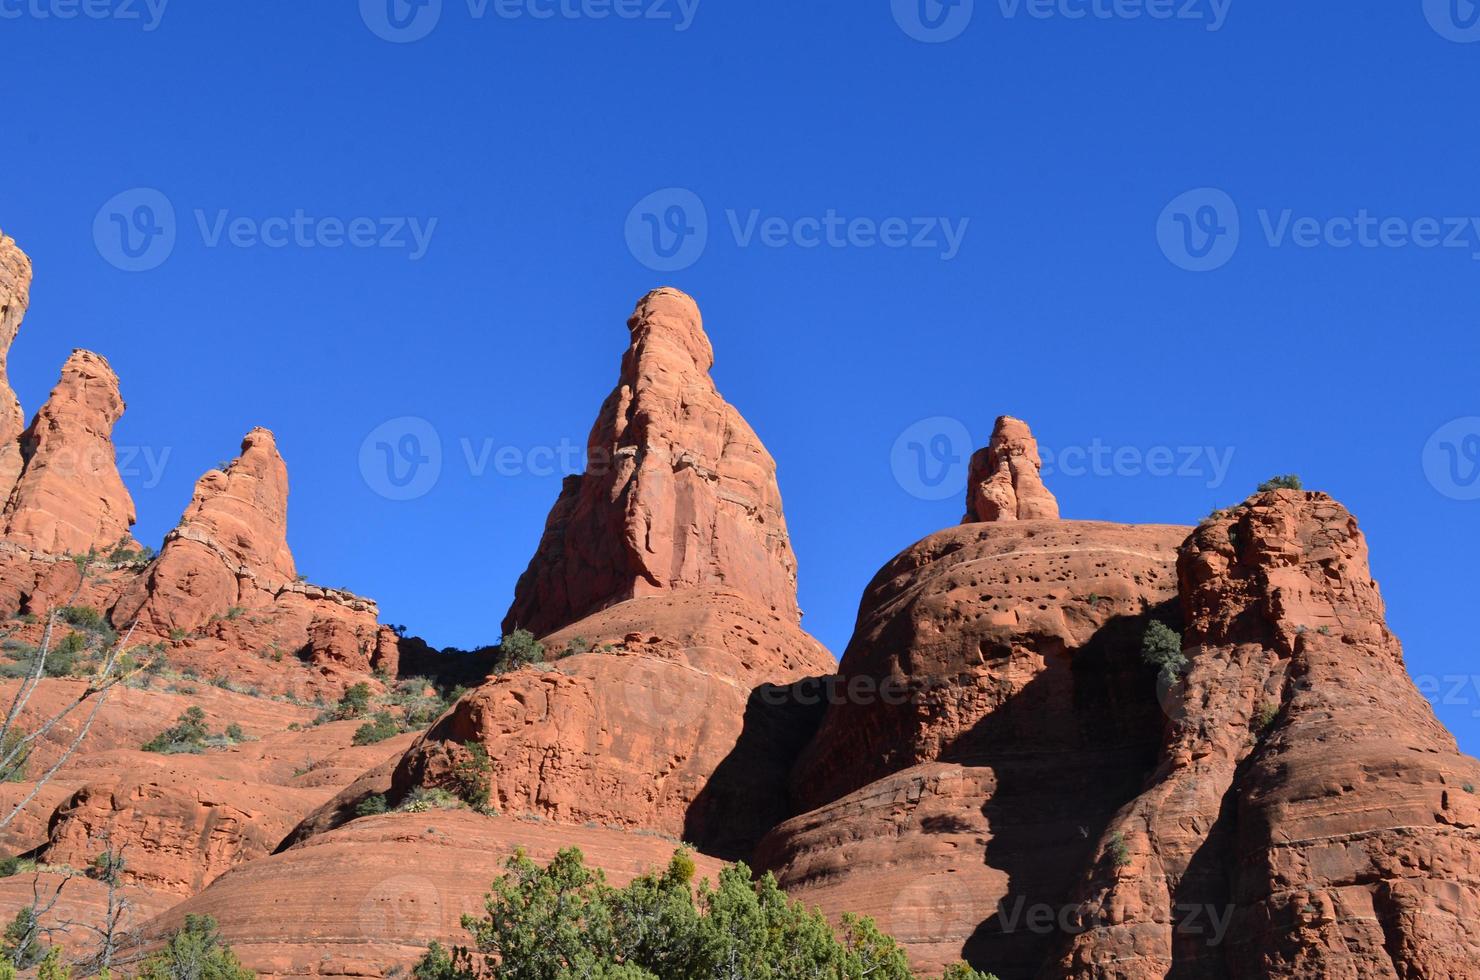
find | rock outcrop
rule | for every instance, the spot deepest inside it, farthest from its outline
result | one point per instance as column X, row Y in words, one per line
column 15, row 297
column 230, row 550
column 665, row 594
column 1005, row 481
column 679, row 492
column 69, row 498
column 1309, row 816
column 989, row 716
column 364, row 900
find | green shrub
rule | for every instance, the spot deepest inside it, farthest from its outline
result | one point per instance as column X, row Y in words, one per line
column 1161, row 647
column 378, row 730
column 1289, row 481
column 1265, row 716
column 12, row 866
column 577, row 645
column 195, row 952
column 471, row 775
column 13, row 742
column 21, row 943
column 1120, row 853
column 518, row 649
column 370, row 806
column 564, row 921
column 189, row 734
column 83, row 617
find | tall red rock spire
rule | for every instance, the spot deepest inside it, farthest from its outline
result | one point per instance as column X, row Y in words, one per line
column 15, row 296
column 231, row 545
column 1006, row 482
column 69, row 497
column 679, row 493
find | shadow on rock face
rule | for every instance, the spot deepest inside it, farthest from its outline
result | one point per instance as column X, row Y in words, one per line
column 748, row 795
column 1070, row 749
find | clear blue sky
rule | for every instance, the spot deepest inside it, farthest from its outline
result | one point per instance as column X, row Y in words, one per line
column 1068, row 301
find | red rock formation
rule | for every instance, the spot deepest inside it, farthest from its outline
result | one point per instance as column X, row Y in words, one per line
column 989, row 716
column 1005, row 481
column 647, row 733
column 679, row 559
column 69, row 498
column 364, row 900
column 224, row 586
column 679, row 493
column 230, row 549
column 15, row 296
column 1309, row 817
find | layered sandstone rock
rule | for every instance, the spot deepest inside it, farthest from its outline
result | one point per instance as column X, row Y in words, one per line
column 364, row 900
column 230, row 550
column 679, row 492
column 225, row 581
column 15, row 297
column 1005, row 481
column 69, row 498
column 990, row 715
column 670, row 726
column 1309, row 816
column 665, row 592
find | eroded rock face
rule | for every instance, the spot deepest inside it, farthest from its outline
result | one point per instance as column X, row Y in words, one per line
column 69, row 498
column 1309, row 816
column 669, row 725
column 230, row 550
column 1005, row 482
column 366, row 899
column 991, row 714
column 679, row 494
column 15, row 297
column 224, row 589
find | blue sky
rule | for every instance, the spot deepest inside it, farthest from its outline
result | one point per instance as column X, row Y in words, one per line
column 1245, row 228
